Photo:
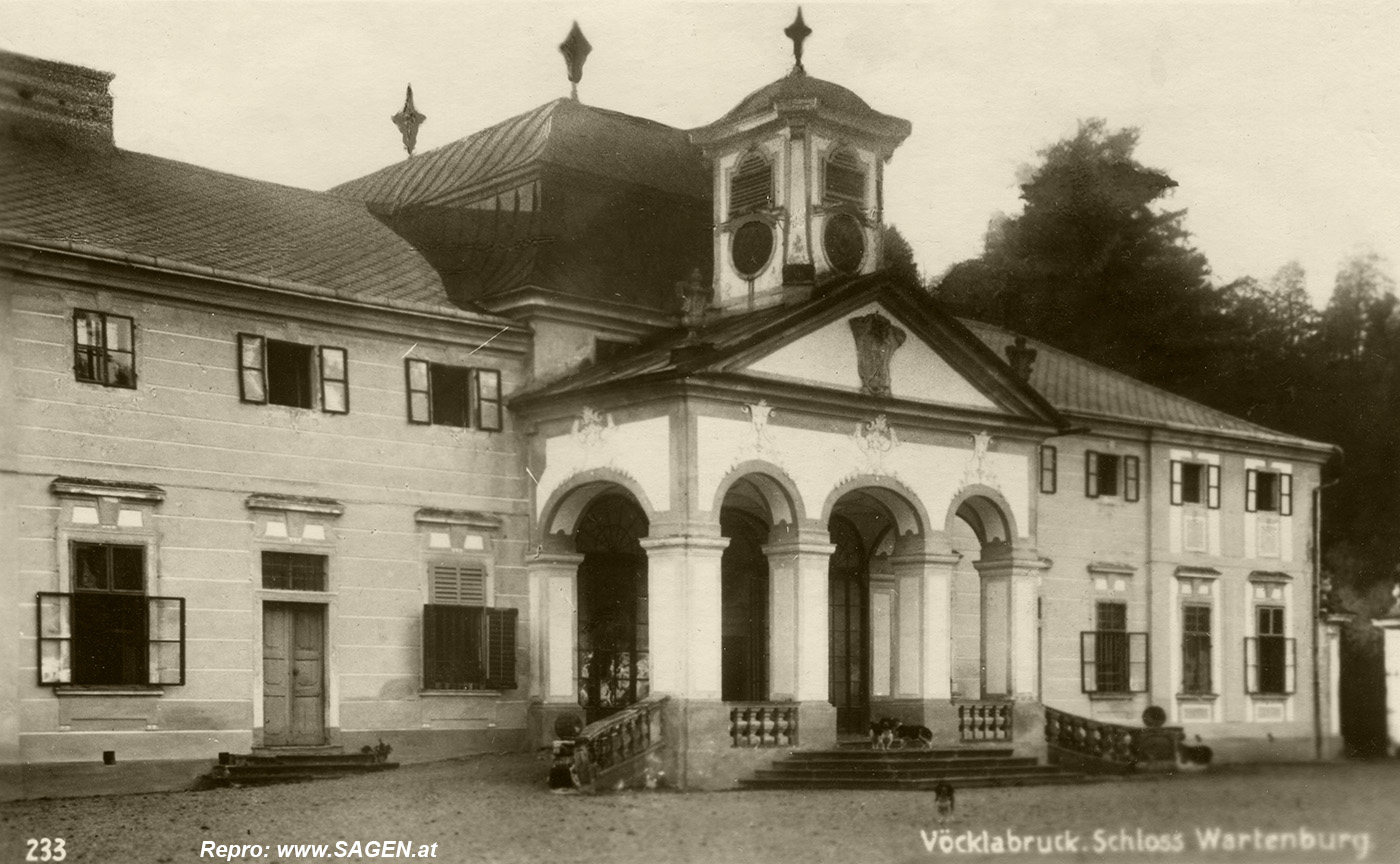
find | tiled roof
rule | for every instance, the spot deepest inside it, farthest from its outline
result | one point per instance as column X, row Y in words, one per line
column 1088, row 391
column 136, row 204
column 564, row 133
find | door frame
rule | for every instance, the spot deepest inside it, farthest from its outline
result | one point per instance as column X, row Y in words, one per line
column 860, row 575
column 329, row 689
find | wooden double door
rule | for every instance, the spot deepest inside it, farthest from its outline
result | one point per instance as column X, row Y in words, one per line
column 848, row 586
column 294, row 674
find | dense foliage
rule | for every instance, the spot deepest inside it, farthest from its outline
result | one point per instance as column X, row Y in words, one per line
column 1096, row 265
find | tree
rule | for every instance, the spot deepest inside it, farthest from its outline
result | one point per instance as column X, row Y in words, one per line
column 1094, row 265
column 899, row 257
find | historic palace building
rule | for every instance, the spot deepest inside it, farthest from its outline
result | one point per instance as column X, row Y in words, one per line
column 582, row 412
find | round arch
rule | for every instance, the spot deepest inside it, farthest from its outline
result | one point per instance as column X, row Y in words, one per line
column 773, row 484
column 986, row 511
column 904, row 506
column 567, row 504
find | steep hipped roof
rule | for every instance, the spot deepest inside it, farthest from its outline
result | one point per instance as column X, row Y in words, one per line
column 1091, row 392
column 109, row 199
column 563, row 133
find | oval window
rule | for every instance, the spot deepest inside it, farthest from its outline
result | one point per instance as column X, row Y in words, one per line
column 844, row 242
column 751, row 248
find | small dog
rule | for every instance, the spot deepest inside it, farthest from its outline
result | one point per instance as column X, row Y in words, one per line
column 901, row 735
column 881, row 734
column 944, row 796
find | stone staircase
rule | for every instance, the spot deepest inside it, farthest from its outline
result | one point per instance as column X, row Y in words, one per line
column 268, row 766
column 859, row 767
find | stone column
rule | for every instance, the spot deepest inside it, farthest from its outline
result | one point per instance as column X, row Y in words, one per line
column 683, row 606
column 554, row 637
column 1390, row 627
column 925, row 622
column 1010, row 618
column 799, row 632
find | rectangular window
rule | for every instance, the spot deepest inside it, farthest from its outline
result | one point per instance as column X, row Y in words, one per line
column 453, row 395
column 1270, row 662
column 1113, row 660
column 108, row 631
column 468, row 647
column 292, row 571
column 273, row 372
column 1049, row 470
column 1195, row 649
column 1268, row 492
column 104, row 349
column 1100, row 474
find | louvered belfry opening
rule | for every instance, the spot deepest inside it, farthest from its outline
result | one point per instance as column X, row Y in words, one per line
column 613, row 663
column 751, row 187
column 845, row 179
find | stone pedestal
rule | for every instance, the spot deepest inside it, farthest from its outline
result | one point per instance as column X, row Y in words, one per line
column 553, row 655
column 1390, row 628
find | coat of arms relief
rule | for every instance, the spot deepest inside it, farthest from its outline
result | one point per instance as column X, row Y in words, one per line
column 877, row 338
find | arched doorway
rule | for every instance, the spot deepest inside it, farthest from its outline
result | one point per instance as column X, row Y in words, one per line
column 849, row 653
column 744, row 608
column 612, row 606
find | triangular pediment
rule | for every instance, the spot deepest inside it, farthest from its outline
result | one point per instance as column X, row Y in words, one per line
column 829, row 357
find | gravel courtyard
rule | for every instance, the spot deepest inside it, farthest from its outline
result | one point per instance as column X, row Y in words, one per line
column 497, row 809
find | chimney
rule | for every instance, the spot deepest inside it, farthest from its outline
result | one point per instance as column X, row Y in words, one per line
column 1021, row 358
column 53, row 102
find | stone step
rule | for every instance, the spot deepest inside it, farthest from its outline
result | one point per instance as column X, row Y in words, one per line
column 857, row 755
column 249, row 770
column 899, row 766
column 969, row 781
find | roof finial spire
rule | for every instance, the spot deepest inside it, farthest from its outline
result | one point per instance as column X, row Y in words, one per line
column 408, row 120
column 575, row 49
column 798, row 31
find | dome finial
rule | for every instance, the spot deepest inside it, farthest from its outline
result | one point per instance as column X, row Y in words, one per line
column 408, row 120
column 798, row 31
column 575, row 49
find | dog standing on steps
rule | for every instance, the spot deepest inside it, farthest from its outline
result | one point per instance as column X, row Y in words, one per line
column 889, row 733
column 944, row 797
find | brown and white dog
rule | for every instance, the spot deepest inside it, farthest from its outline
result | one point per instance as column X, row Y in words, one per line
column 889, row 733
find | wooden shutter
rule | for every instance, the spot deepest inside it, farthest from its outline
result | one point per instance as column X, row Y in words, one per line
column 500, row 649
column 1088, row 667
column 335, row 380
column 1285, row 494
column 1213, row 487
column 252, row 368
column 459, row 586
column 1137, row 662
column 55, row 638
column 420, row 404
column 1132, row 486
column 1251, row 491
column 1177, row 470
column 1091, row 474
column 487, row 384
column 1049, row 470
column 1251, row 665
column 165, row 640
column 1290, row 669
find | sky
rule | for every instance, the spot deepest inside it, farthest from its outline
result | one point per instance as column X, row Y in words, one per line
column 1280, row 121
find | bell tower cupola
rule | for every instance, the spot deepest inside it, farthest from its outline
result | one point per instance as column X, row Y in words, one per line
column 798, row 171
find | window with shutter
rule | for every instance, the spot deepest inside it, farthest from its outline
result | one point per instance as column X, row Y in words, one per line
column 1049, row 470
column 458, row 396
column 1111, row 659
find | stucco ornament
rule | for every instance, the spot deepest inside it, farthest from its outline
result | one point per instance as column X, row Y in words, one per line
column 876, row 440
column 979, row 469
column 758, row 416
column 592, row 428
column 876, row 341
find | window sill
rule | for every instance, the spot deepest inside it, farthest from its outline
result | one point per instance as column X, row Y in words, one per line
column 1197, row 697
column 1270, row 697
column 121, row 690
column 1112, row 697
column 437, row 693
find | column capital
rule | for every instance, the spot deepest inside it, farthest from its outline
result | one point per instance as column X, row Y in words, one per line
column 798, row 546
column 1010, row 561
column 924, row 559
column 684, row 543
column 554, row 559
